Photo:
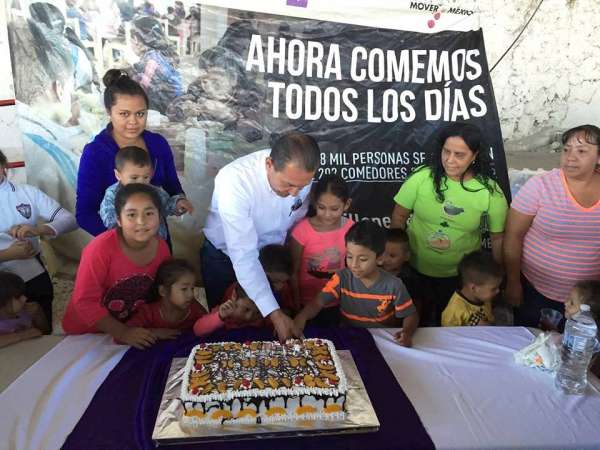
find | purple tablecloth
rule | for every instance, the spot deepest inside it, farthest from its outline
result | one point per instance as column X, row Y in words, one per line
column 122, row 413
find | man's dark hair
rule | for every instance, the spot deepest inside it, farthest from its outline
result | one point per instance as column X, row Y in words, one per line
column 478, row 267
column 295, row 148
column 276, row 258
column 132, row 154
column 369, row 235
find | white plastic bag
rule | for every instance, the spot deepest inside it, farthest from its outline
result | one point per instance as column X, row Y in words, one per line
column 543, row 353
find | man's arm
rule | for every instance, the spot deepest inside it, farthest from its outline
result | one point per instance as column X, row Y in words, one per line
column 241, row 240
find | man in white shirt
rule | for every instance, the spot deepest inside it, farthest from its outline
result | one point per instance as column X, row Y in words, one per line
column 256, row 201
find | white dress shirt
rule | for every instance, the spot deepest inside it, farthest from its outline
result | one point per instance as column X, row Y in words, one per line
column 246, row 214
column 23, row 204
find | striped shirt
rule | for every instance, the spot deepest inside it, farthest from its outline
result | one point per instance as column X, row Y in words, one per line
column 562, row 245
column 377, row 306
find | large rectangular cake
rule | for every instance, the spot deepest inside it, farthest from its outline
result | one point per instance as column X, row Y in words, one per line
column 262, row 382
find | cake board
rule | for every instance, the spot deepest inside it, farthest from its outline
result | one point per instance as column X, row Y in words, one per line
column 360, row 415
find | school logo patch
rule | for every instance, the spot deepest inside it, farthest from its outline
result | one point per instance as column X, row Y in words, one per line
column 24, row 210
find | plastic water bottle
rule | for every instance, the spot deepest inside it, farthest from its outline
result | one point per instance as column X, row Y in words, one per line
column 578, row 345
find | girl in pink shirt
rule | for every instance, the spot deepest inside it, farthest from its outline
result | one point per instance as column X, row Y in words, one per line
column 176, row 307
column 317, row 242
column 117, row 270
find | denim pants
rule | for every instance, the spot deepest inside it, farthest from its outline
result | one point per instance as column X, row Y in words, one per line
column 217, row 272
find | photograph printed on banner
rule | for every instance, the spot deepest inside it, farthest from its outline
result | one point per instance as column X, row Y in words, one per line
column 223, row 83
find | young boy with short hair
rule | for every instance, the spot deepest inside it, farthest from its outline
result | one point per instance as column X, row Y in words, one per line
column 397, row 252
column 133, row 165
column 276, row 261
column 368, row 295
column 480, row 277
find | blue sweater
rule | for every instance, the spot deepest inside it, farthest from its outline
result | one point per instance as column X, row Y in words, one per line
column 96, row 173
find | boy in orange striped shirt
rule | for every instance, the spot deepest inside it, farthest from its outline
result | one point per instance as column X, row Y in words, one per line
column 368, row 296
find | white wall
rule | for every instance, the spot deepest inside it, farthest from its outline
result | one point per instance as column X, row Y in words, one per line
column 550, row 81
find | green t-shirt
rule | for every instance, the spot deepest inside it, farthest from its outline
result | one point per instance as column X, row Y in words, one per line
column 441, row 234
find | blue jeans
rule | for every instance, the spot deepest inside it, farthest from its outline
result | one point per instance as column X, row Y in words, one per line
column 217, row 272
column 528, row 314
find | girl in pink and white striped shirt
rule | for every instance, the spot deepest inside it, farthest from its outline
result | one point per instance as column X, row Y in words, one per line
column 552, row 236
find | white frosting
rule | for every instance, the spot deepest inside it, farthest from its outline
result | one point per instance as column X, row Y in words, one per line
column 195, row 421
column 267, row 391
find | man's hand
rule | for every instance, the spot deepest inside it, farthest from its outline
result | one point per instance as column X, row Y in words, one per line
column 402, row 338
column 300, row 322
column 284, row 326
column 137, row 337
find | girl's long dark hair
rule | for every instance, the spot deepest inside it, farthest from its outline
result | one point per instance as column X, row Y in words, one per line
column 482, row 164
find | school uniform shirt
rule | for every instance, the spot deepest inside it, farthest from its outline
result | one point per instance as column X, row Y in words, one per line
column 108, row 282
column 376, row 306
column 246, row 214
column 149, row 315
column 460, row 312
column 26, row 205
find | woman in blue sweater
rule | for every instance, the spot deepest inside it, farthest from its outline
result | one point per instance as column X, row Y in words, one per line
column 126, row 104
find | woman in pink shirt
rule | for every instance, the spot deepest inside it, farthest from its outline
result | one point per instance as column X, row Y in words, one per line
column 552, row 237
column 117, row 270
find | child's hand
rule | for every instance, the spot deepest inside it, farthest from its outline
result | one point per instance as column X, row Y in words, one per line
column 183, row 206
column 20, row 250
column 29, row 333
column 546, row 325
column 226, row 309
column 165, row 333
column 137, row 337
column 24, row 231
column 403, row 338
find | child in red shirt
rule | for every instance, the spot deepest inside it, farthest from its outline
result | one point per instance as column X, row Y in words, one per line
column 235, row 312
column 173, row 305
column 117, row 270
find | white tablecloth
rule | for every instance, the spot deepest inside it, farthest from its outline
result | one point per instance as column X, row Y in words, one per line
column 462, row 382
column 469, row 393
column 41, row 407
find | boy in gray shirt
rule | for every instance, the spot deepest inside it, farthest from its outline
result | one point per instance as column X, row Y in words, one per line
column 368, row 296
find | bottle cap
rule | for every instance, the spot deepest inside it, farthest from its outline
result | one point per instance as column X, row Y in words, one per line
column 584, row 307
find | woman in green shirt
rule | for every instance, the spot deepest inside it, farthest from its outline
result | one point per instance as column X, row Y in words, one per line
column 447, row 200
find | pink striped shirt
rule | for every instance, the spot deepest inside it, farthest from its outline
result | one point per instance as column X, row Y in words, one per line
column 562, row 245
